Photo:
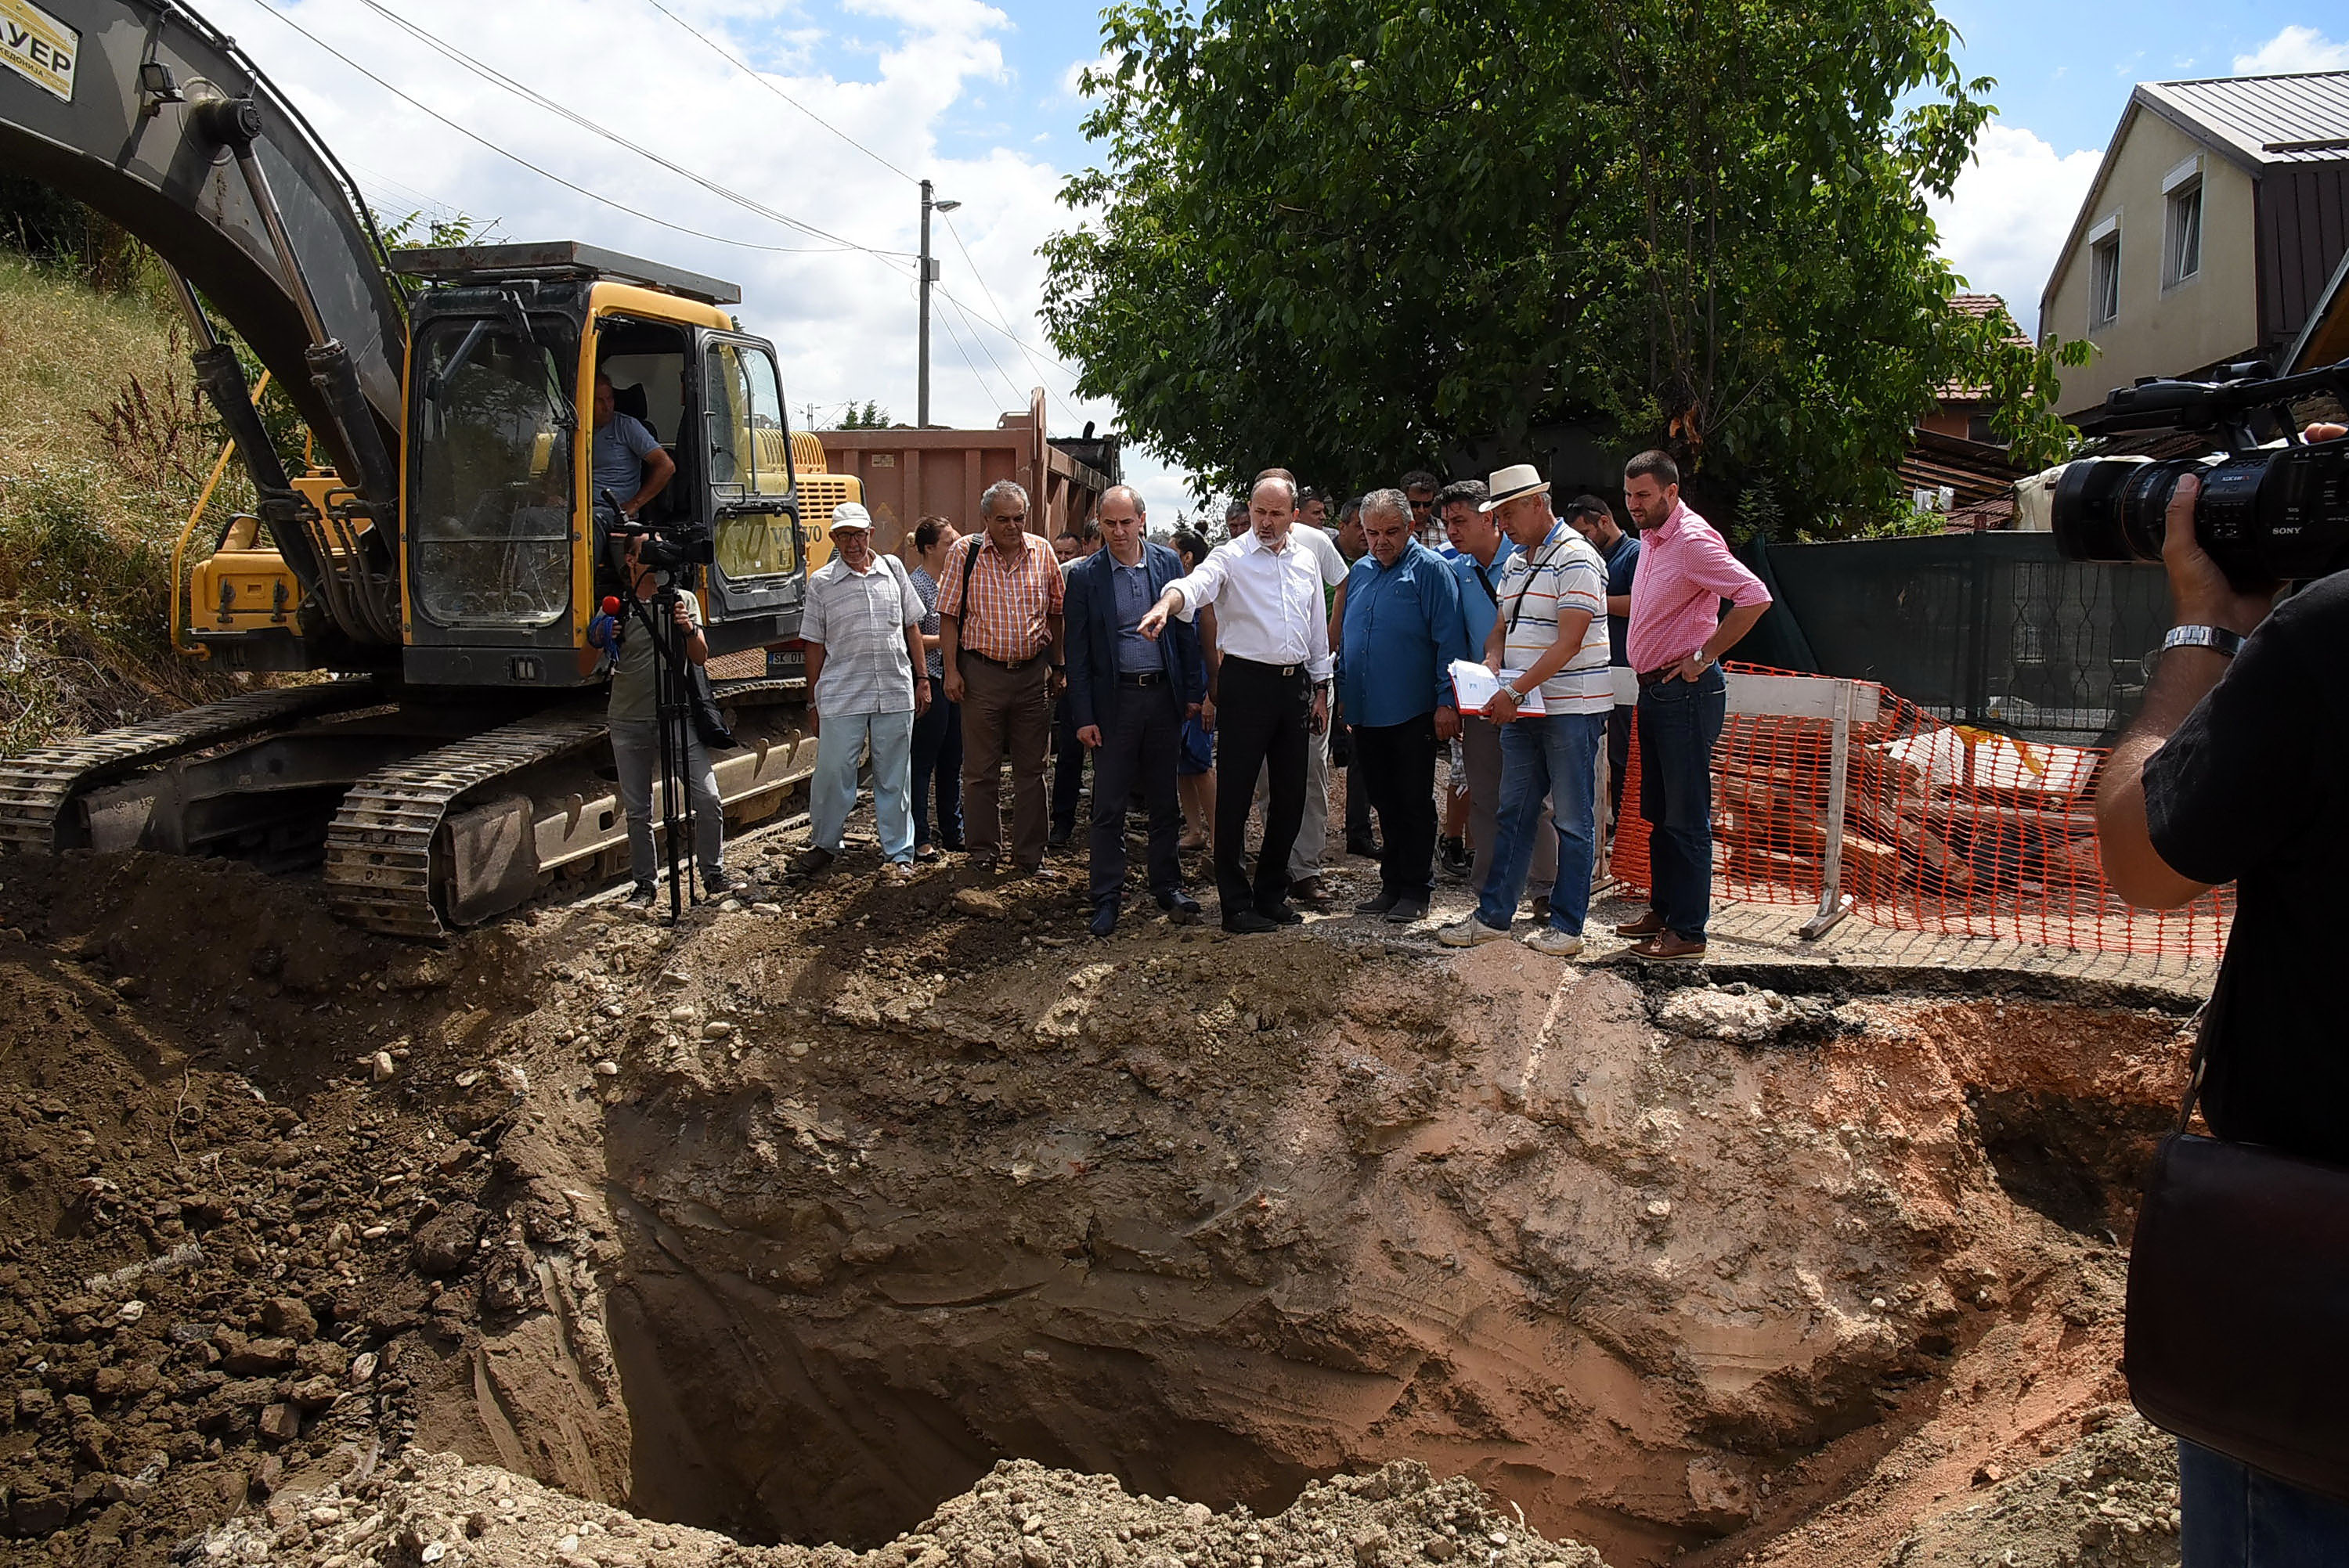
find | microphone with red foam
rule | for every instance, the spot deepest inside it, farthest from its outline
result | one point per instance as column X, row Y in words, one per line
column 604, row 631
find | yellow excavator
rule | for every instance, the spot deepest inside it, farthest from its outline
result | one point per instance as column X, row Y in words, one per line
column 443, row 561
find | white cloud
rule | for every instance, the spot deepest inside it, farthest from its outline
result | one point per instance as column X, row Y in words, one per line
column 2005, row 221
column 1072, row 76
column 2296, row 48
column 843, row 320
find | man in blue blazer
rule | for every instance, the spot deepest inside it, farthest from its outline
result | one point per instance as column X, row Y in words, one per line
column 1131, row 694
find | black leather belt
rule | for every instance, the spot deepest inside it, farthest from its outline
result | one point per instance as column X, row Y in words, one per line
column 1140, row 677
column 1658, row 677
column 1284, row 671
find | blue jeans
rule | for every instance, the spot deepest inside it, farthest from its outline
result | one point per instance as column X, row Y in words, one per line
column 1555, row 756
column 832, row 794
column 2237, row 1517
column 1678, row 722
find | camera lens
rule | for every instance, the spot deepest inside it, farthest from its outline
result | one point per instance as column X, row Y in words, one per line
column 2145, row 505
column 2086, row 516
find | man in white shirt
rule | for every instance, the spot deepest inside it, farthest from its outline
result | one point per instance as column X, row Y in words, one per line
column 1272, row 693
column 863, row 626
column 1550, row 628
column 1305, row 883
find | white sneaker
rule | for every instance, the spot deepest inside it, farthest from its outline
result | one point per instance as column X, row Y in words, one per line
column 1469, row 932
column 1558, row 943
column 897, row 872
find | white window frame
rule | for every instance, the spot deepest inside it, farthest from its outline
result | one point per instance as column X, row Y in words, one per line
column 2103, row 278
column 2177, row 265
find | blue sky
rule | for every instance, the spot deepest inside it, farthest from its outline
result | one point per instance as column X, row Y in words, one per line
column 978, row 95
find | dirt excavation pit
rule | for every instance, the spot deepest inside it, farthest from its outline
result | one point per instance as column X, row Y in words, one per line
column 581, row 1240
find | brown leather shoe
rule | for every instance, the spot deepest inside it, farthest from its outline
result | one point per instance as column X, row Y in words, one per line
column 1669, row 947
column 1310, row 891
column 1647, row 925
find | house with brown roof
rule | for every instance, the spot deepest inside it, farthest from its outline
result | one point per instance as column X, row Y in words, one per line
column 2216, row 219
column 1964, row 410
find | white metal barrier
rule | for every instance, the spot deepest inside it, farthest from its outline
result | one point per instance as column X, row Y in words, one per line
column 1840, row 704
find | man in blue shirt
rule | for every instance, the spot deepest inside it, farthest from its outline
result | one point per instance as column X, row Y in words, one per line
column 1402, row 630
column 628, row 462
column 1129, row 696
column 1594, row 520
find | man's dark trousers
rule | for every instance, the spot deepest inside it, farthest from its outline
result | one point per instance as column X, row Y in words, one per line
column 1678, row 722
column 1396, row 762
column 1261, row 717
column 1068, row 767
column 1618, row 759
column 1142, row 739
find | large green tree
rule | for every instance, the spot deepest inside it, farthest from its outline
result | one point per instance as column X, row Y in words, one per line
column 1349, row 234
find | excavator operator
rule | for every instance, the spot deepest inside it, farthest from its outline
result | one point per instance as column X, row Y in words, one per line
column 629, row 462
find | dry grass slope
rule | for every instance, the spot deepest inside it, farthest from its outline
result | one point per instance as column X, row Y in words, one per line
column 102, row 451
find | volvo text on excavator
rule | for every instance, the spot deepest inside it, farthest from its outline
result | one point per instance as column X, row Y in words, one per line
column 441, row 564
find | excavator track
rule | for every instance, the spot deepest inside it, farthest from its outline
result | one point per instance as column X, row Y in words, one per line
column 39, row 788
column 381, row 873
column 379, row 846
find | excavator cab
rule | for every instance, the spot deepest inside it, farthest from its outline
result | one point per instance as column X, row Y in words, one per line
column 503, row 536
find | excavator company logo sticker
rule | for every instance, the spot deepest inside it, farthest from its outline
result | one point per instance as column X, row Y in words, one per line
column 39, row 47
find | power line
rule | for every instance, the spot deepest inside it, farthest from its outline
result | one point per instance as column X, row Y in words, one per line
column 540, row 101
column 1001, row 323
column 1007, row 381
column 270, row 9
column 986, row 393
column 760, row 78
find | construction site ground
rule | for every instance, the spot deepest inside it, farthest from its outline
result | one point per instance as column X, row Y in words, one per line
column 908, row 1227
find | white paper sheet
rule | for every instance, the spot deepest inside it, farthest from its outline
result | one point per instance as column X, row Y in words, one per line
column 1473, row 686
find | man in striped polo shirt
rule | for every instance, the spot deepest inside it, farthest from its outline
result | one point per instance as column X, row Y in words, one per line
column 1549, row 635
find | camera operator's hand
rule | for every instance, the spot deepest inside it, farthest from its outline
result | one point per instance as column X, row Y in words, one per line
column 2200, row 593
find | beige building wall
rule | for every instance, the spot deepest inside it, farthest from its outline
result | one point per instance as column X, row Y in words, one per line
column 2159, row 331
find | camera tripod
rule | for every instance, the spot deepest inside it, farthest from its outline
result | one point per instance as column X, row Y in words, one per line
column 673, row 710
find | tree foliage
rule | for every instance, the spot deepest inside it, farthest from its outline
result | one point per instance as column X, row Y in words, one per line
column 1349, row 236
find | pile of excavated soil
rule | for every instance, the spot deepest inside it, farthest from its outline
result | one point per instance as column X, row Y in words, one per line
column 791, row 1223
column 437, row 1509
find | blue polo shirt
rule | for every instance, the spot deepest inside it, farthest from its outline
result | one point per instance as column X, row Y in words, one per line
column 1478, row 606
column 1622, row 566
column 1403, row 631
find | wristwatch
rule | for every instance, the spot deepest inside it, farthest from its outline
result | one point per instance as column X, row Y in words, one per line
column 2217, row 639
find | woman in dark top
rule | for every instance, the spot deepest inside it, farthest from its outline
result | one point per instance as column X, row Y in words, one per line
column 938, row 732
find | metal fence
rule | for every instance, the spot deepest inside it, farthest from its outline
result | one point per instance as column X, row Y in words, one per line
column 1992, row 629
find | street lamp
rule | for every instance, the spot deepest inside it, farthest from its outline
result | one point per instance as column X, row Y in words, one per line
column 929, row 277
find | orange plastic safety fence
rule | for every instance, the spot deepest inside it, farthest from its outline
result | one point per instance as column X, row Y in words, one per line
column 1947, row 828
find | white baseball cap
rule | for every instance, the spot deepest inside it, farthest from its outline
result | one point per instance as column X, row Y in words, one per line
column 850, row 514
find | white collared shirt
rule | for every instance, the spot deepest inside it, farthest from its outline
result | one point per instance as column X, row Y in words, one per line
column 1269, row 607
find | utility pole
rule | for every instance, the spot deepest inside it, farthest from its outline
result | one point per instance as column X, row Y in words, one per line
column 929, row 277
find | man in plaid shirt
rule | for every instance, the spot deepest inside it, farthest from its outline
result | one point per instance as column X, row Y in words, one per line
column 999, row 631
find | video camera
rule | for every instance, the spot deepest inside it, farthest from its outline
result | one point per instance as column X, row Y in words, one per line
column 669, row 547
column 2266, row 514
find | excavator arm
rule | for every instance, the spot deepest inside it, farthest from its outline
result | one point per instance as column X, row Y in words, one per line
column 147, row 114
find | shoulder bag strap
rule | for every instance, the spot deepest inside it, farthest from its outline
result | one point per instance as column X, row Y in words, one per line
column 1517, row 605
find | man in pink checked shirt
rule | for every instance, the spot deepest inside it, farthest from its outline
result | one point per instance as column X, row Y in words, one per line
column 1675, row 641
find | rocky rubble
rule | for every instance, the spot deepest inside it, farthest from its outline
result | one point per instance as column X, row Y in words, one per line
column 2110, row 1501
column 434, row 1509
